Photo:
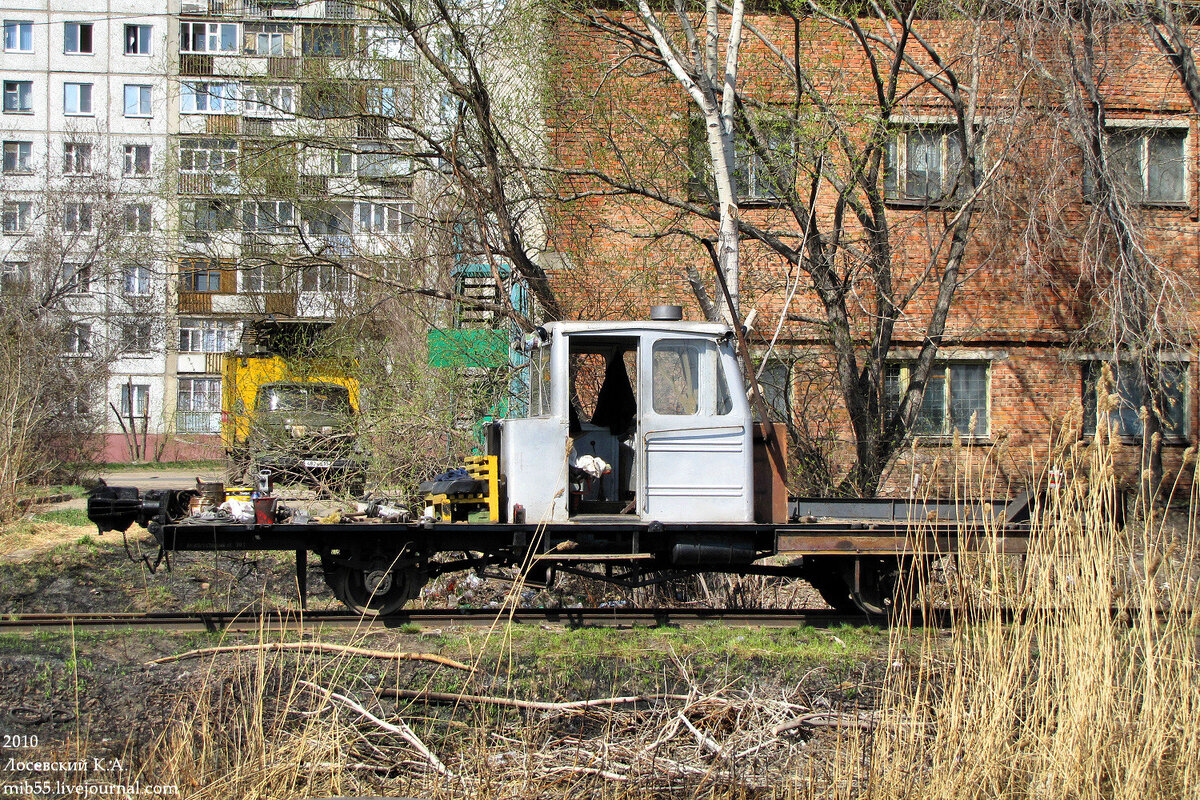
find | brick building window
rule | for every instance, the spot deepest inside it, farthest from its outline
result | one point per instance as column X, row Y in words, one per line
column 77, row 158
column 206, row 335
column 198, row 405
column 752, row 173
column 956, row 394
column 922, row 164
column 1130, row 390
column 77, row 38
column 18, row 158
column 1147, row 164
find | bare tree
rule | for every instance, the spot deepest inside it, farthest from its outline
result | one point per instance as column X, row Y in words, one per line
column 828, row 164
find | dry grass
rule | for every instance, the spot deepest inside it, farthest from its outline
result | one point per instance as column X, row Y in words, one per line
column 1067, row 702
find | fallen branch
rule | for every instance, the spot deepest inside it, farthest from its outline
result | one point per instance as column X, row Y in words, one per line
column 706, row 742
column 314, row 647
column 825, row 720
column 532, row 705
column 402, row 730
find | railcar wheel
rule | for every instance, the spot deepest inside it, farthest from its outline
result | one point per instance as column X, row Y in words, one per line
column 834, row 591
column 374, row 590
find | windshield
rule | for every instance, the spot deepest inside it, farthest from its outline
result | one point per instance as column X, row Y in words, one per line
column 326, row 399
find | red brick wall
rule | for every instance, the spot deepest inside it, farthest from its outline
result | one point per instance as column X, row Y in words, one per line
column 1024, row 296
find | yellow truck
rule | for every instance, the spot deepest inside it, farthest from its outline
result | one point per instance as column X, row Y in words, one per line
column 296, row 418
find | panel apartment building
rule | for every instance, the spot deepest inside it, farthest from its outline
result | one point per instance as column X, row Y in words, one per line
column 158, row 187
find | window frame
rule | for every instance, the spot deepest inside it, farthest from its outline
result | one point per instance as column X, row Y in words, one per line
column 948, row 427
column 129, row 167
column 78, row 339
column 136, row 280
column 79, row 28
column 144, row 340
column 224, row 93
column 895, row 164
column 226, row 160
column 283, row 107
column 77, row 158
column 212, row 33
column 20, row 212
column 131, row 395
column 201, row 277
column 138, row 217
column 22, row 161
column 138, row 39
column 257, row 212
column 80, row 95
column 1091, row 410
column 79, row 217
column 13, row 90
column 145, row 96
column 187, row 395
column 200, row 329
column 76, row 278
column 1145, row 130
column 24, row 30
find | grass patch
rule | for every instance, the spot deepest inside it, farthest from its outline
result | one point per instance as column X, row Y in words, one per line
column 213, row 465
column 75, row 517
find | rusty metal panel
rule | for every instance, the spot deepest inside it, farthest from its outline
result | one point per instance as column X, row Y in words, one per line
column 870, row 543
column 770, row 480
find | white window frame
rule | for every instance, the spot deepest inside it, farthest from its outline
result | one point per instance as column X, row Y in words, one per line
column 78, row 339
column 266, row 278
column 130, row 167
column 79, row 28
column 206, row 335
column 211, row 37
column 78, row 217
column 142, row 100
column 78, row 99
column 77, row 158
column 23, row 41
column 136, row 280
column 142, row 340
column 896, row 187
column 325, row 279
column 134, row 400
column 1145, row 130
column 16, row 217
column 76, row 278
column 22, row 99
column 203, row 391
column 138, row 40
column 269, row 216
column 139, row 217
column 222, row 152
column 269, row 102
column 383, row 218
column 14, row 276
column 947, row 367
column 22, row 161
column 208, row 97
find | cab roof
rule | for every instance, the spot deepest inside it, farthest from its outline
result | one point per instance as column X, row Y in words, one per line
column 636, row 326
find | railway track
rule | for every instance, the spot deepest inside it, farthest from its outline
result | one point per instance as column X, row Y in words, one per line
column 272, row 621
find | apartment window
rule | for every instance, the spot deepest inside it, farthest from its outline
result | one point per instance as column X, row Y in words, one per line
column 136, row 279
column 324, row 278
column 198, row 405
column 137, row 336
column 18, row 97
column 77, row 38
column 956, row 394
column 77, row 158
column 269, row 101
column 138, row 217
column 78, row 339
column 208, row 37
column 137, row 100
column 77, row 99
column 18, row 158
column 382, row 163
column 269, row 39
column 383, row 218
column 390, row 101
column 205, row 97
column 18, row 36
column 923, row 164
column 135, row 400
column 1130, row 390
column 15, row 217
column 388, row 44
column 208, row 214
column 263, row 278
column 1147, row 164
column 206, row 336
column 76, row 278
column 341, row 162
column 14, row 276
column 137, row 160
column 268, row 216
column 137, row 40
column 332, row 220
column 208, row 156
column 200, row 275
column 77, row 217
column 326, row 40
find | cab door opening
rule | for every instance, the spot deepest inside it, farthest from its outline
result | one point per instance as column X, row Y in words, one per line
column 602, row 425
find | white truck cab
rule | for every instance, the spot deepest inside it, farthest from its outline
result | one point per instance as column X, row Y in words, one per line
column 660, row 404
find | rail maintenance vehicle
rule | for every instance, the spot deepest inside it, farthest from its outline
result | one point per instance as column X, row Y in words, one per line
column 638, row 453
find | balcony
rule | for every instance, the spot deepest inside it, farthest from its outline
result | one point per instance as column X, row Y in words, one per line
column 195, row 303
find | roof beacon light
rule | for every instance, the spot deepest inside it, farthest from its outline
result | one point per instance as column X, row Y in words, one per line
column 666, row 313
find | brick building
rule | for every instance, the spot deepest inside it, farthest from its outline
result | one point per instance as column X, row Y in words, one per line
column 1023, row 346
